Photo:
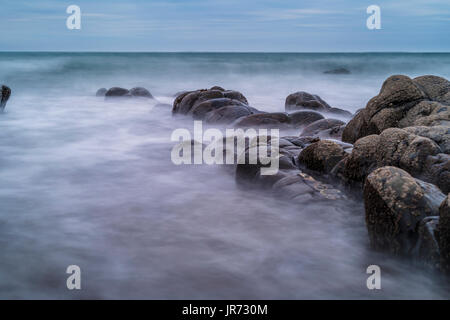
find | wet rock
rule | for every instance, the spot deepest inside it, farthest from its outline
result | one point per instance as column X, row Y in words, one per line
column 437, row 171
column 304, row 118
column 141, row 92
column 439, row 134
column 301, row 186
column 5, row 94
column 402, row 102
column 322, row 156
column 117, row 92
column 338, row 71
column 444, row 234
column 301, row 142
column 200, row 110
column 101, row 92
column 316, row 127
column 395, row 203
column 265, row 120
column 189, row 100
column 303, row 100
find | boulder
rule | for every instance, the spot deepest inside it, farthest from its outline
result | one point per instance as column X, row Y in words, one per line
column 395, row 203
column 141, row 92
column 316, row 127
column 190, row 99
column 322, row 155
column 101, row 92
column 200, row 110
column 444, row 233
column 5, row 94
column 227, row 114
column 402, row 102
column 304, row 100
column 339, row 112
column 304, row 117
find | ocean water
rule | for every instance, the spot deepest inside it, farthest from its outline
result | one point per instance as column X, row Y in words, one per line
column 90, row 183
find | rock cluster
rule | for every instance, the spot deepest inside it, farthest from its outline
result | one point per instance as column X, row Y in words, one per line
column 5, row 93
column 117, row 92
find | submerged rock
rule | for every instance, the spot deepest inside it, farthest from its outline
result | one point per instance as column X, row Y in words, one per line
column 5, row 94
column 116, row 92
column 101, row 92
column 427, row 248
column 228, row 114
column 338, row 71
column 200, row 110
column 140, row 92
column 395, row 203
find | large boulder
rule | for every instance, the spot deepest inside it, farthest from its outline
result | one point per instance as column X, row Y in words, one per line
column 5, row 94
column 228, row 114
column 101, row 92
column 444, row 233
column 190, row 99
column 395, row 204
column 117, row 92
column 140, row 92
column 402, row 102
column 322, row 155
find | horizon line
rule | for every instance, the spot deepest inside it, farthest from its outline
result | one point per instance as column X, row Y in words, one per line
column 239, row 52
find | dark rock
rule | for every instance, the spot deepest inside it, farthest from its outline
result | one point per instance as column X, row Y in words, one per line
column 303, row 118
column 163, row 105
column 338, row 71
column 117, row 92
column 322, row 156
column 217, row 88
column 437, row 171
column 301, row 142
column 200, row 110
column 426, row 113
column 439, row 134
column 436, row 88
column 187, row 101
column 303, row 100
column 5, row 94
column 444, row 233
column 266, row 120
column 227, row 114
column 141, row 92
column 101, row 92
column 395, row 203
column 316, row 127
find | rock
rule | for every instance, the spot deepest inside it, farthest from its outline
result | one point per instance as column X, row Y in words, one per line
column 361, row 162
column 338, row 71
column 427, row 247
column 439, row 134
column 141, row 92
column 395, row 203
column 444, row 234
column 436, row 88
column 266, row 120
column 403, row 102
column 303, row 118
column 5, row 94
column 163, row 105
column 437, row 171
column 303, row 100
column 227, row 114
column 316, row 127
column 200, row 110
column 301, row 187
column 322, row 156
column 217, row 88
column 189, row 100
column 101, row 92
column 117, row 92
column 340, row 112
column 301, row 142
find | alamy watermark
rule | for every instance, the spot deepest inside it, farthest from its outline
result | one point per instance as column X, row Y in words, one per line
column 74, row 20
column 213, row 147
column 374, row 20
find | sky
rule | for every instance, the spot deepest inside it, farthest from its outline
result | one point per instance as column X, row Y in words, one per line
column 225, row 25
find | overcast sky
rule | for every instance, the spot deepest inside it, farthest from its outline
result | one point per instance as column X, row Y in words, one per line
column 225, row 25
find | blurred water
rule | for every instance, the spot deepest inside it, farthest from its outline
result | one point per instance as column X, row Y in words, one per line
column 90, row 183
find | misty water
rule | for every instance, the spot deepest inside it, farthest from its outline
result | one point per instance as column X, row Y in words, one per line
column 91, row 183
